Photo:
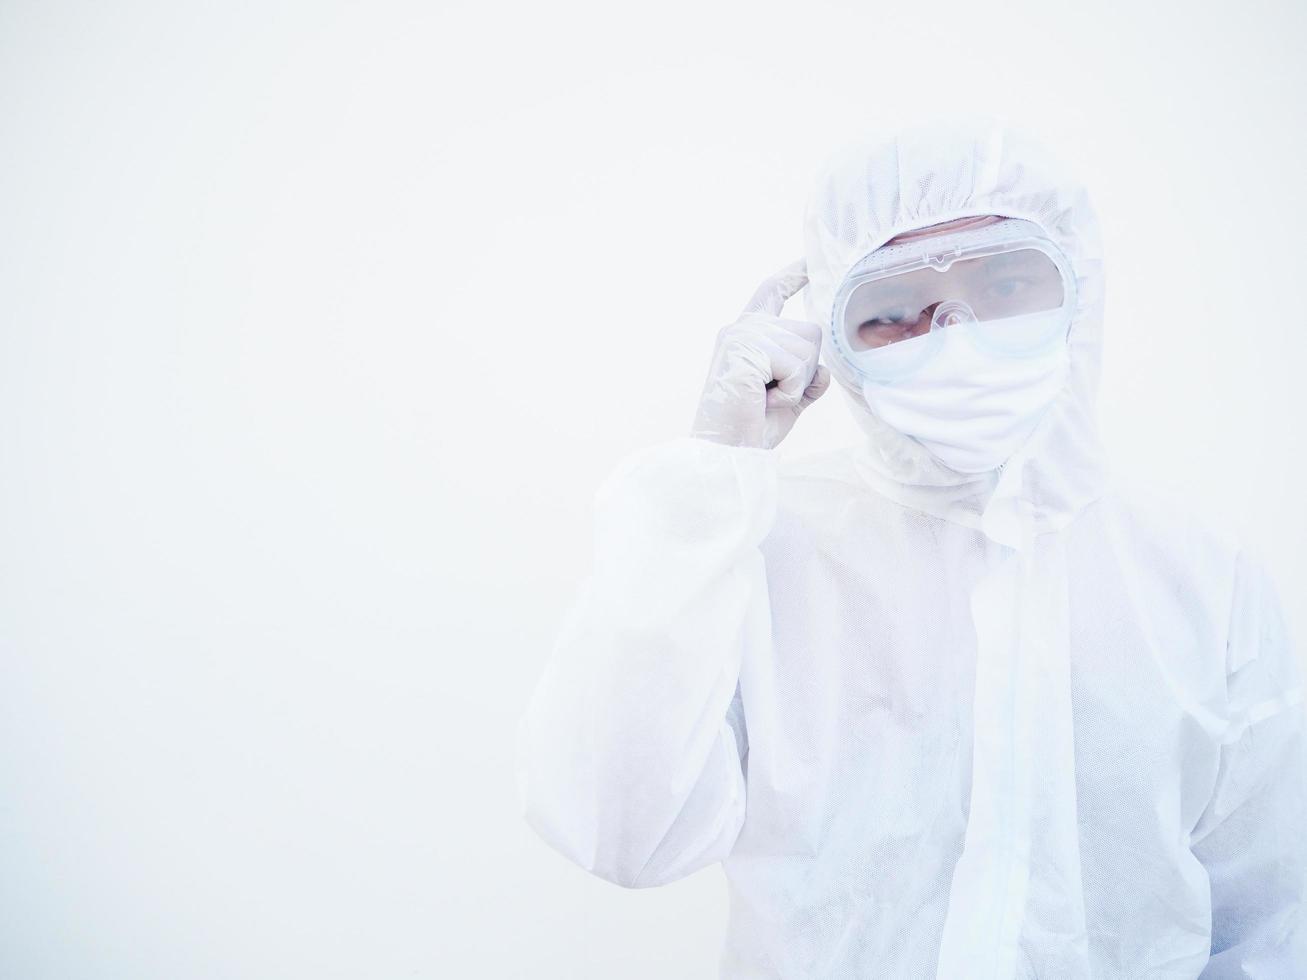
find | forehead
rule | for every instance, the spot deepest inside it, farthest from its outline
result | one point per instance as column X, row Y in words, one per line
column 957, row 224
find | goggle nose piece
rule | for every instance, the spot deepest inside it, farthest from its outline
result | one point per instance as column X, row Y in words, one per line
column 951, row 313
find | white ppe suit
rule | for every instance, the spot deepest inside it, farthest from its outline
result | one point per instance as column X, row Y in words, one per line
column 1020, row 724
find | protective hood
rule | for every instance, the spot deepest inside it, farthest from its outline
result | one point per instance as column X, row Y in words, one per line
column 873, row 191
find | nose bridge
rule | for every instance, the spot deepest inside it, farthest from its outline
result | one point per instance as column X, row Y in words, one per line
column 951, row 313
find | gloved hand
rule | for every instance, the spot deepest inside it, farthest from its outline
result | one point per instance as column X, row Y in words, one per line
column 764, row 370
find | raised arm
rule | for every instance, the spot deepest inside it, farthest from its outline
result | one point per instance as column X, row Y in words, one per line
column 632, row 751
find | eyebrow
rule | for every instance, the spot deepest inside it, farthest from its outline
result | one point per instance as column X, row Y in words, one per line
column 1022, row 257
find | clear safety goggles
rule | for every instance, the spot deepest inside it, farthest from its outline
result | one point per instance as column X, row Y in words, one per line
column 1005, row 285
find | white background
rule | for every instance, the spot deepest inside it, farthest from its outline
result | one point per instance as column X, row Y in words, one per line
column 322, row 322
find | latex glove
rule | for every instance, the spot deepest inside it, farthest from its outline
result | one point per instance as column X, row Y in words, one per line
column 764, row 370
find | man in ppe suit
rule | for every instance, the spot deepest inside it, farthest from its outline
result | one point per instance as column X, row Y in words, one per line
column 949, row 704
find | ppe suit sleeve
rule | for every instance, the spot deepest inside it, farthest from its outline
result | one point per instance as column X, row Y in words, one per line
column 631, row 751
column 1252, row 837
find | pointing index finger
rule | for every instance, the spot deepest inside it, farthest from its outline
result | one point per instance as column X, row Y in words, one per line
column 770, row 297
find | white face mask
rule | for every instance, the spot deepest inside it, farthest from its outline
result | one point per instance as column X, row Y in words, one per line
column 970, row 407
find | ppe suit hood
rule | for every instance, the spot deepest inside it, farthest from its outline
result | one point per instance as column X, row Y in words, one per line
column 873, row 191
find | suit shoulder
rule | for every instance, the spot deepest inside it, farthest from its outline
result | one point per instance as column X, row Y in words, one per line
column 1153, row 518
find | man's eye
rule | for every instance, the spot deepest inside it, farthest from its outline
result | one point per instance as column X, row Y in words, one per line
column 1006, row 287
